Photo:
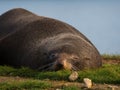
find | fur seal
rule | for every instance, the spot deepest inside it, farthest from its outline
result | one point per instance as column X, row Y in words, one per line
column 43, row 43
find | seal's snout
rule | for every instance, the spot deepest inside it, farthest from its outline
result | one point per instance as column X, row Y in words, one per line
column 60, row 65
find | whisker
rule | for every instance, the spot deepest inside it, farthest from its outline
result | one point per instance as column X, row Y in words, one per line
column 46, row 69
column 75, row 68
column 74, row 64
column 45, row 66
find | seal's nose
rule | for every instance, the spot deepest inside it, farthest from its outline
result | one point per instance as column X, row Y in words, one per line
column 60, row 65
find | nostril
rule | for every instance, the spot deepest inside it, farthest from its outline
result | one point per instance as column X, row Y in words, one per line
column 60, row 65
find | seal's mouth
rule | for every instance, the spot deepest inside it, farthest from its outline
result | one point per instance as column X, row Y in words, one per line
column 61, row 61
column 55, row 66
column 62, row 64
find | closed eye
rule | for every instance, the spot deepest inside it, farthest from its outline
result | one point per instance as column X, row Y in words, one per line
column 52, row 56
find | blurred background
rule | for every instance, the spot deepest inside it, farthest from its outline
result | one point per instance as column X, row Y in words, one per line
column 98, row 20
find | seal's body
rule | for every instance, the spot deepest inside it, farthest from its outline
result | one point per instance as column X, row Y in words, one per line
column 43, row 43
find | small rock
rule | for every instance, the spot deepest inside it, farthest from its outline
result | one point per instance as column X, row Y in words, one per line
column 87, row 82
column 58, row 89
column 73, row 76
column 112, row 87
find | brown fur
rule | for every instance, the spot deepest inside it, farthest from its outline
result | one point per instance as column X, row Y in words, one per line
column 42, row 43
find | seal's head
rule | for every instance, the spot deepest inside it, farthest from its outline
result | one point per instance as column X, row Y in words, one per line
column 63, row 52
column 61, row 60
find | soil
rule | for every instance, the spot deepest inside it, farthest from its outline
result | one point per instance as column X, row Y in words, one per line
column 60, row 84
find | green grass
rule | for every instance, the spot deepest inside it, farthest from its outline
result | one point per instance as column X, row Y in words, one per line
column 28, row 84
column 111, row 56
column 71, row 88
column 106, row 74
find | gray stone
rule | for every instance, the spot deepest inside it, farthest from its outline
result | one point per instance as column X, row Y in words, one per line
column 73, row 76
column 87, row 82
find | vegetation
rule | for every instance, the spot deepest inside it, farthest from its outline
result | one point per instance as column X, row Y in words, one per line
column 111, row 56
column 71, row 88
column 28, row 84
column 108, row 73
